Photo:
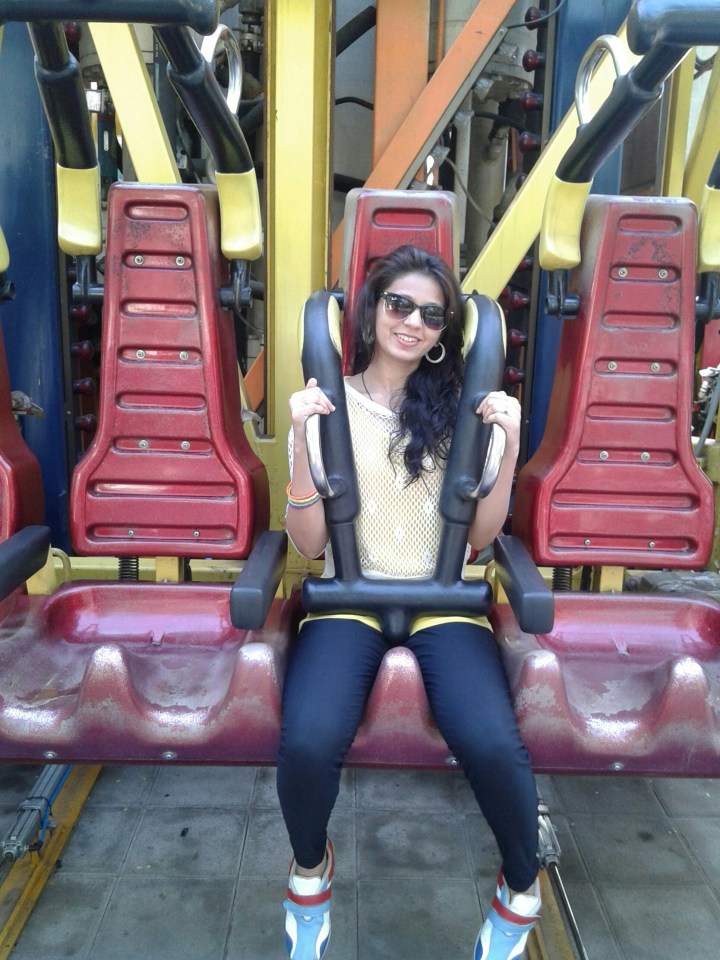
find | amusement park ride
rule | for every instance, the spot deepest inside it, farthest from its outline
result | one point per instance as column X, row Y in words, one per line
column 151, row 624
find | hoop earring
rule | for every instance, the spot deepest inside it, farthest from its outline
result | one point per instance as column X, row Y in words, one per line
column 436, row 359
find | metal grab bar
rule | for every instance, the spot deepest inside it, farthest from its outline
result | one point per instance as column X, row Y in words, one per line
column 201, row 15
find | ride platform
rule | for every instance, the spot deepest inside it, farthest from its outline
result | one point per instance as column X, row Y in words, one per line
column 189, row 863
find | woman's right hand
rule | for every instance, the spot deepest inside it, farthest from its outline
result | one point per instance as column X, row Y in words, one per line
column 305, row 403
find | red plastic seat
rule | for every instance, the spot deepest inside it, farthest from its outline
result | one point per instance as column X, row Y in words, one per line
column 614, row 480
column 21, row 489
column 378, row 221
column 170, row 470
column 624, row 682
column 138, row 671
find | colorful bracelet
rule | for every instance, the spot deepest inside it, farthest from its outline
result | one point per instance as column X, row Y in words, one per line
column 299, row 503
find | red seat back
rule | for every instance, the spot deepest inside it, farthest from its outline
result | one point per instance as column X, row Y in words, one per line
column 21, row 489
column 378, row 221
column 614, row 480
column 170, row 470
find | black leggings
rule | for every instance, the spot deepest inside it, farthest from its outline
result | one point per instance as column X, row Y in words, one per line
column 328, row 682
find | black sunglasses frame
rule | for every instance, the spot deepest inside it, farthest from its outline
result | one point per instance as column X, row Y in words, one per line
column 432, row 325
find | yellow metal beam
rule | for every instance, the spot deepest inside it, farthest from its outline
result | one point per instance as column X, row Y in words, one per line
column 27, row 878
column 705, row 145
column 137, row 109
column 299, row 96
column 676, row 132
column 520, row 226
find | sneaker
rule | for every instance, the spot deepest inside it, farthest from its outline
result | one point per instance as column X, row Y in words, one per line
column 307, row 912
column 504, row 934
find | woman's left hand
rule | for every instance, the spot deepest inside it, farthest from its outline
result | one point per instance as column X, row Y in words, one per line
column 498, row 407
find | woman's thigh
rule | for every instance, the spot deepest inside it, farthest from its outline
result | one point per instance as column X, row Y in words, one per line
column 329, row 677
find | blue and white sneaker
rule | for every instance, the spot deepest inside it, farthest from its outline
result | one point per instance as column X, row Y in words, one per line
column 307, row 912
column 504, row 934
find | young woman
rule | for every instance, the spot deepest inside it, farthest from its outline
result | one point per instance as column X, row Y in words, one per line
column 402, row 403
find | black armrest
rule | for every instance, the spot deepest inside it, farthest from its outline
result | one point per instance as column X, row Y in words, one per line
column 259, row 579
column 22, row 555
column 530, row 597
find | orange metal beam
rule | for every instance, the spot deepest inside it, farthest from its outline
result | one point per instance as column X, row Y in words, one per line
column 436, row 104
column 255, row 381
column 402, row 50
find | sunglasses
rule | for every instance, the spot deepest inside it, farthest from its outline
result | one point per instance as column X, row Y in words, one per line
column 398, row 307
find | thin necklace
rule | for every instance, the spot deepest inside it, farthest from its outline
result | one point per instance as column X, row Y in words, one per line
column 362, row 377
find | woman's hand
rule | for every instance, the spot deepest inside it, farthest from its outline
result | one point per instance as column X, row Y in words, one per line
column 498, row 407
column 305, row 403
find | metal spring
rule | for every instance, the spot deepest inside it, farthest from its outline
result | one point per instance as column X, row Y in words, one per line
column 562, row 578
column 128, row 568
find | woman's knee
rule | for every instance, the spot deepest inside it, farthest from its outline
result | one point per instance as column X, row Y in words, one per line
column 312, row 750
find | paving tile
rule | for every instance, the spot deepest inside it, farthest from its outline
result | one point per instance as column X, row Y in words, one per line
column 688, row 797
column 65, row 919
column 257, row 929
column 122, row 785
column 632, row 849
column 418, row 919
column 484, row 854
column 606, row 795
column 662, row 922
column 187, row 842
column 702, row 834
column 202, row 786
column 408, row 789
column 100, row 840
column 572, row 865
column 592, row 922
column 549, row 793
column 165, row 919
column 421, row 844
column 16, row 783
column 267, row 851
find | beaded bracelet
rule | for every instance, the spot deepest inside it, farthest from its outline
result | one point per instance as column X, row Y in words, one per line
column 299, row 503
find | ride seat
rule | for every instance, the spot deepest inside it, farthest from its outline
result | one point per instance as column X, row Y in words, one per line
column 21, row 487
column 624, row 683
column 170, row 470
column 378, row 221
column 614, row 480
column 398, row 728
column 144, row 671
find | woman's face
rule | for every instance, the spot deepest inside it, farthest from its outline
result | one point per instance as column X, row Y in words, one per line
column 407, row 339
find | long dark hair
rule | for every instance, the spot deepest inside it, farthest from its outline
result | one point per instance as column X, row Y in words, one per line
column 429, row 407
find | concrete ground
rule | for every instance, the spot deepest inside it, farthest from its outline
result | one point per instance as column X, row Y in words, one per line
column 189, row 863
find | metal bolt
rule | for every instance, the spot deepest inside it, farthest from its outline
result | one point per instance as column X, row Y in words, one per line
column 143, row 444
column 140, row 354
column 139, row 260
column 169, row 755
column 655, row 367
column 196, row 533
column 588, row 542
column 180, row 261
column 612, row 365
column 622, row 271
column 131, row 533
column 651, row 544
column 453, row 762
column 185, row 445
column 645, row 456
column 663, row 274
column 49, row 754
column 617, row 766
column 604, row 454
column 184, row 354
